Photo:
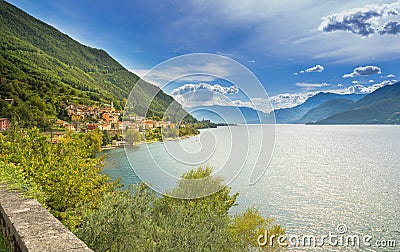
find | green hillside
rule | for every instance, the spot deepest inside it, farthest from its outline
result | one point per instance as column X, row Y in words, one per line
column 327, row 109
column 42, row 68
column 379, row 107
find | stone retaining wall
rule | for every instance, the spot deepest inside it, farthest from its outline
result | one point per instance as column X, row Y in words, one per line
column 27, row 226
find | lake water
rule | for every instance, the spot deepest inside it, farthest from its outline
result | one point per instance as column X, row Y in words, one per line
column 319, row 177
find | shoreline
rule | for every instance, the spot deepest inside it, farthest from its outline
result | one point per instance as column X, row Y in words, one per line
column 145, row 142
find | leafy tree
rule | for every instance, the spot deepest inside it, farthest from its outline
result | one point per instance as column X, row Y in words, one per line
column 195, row 224
column 143, row 221
column 94, row 139
column 106, row 138
column 121, row 222
column 63, row 177
column 169, row 132
column 188, row 129
column 248, row 226
column 133, row 137
column 116, row 137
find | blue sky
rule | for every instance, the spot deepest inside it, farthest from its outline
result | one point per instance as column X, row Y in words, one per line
column 295, row 48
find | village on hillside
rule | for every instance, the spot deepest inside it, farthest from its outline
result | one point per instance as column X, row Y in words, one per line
column 84, row 118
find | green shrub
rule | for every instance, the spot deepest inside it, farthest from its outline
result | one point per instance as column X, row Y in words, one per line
column 141, row 221
column 63, row 177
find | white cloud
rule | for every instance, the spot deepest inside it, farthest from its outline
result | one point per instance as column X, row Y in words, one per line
column 391, row 27
column 204, row 86
column 351, row 89
column 363, row 71
column 340, row 85
column 206, row 98
column 358, row 88
column 200, row 69
column 355, row 82
column 288, row 27
column 193, row 100
column 288, row 100
column 204, row 94
column 311, row 85
column 363, row 21
column 390, row 76
column 316, row 68
column 262, row 104
column 371, row 81
column 163, row 77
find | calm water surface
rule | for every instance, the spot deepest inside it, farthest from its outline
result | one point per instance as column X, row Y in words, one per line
column 318, row 177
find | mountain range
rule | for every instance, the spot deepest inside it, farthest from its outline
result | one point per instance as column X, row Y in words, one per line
column 227, row 114
column 326, row 109
column 42, row 68
column 295, row 114
column 379, row 107
column 242, row 115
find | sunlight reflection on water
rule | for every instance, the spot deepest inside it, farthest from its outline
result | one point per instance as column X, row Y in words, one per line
column 319, row 177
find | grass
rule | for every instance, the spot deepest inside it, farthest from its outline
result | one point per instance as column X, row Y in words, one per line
column 3, row 245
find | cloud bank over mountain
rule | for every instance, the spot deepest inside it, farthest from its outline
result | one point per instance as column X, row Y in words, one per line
column 362, row 89
column 205, row 86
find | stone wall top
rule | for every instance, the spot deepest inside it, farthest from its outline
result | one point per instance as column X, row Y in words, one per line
column 28, row 226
